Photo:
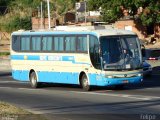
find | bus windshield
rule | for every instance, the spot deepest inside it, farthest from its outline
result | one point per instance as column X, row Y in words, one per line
column 120, row 53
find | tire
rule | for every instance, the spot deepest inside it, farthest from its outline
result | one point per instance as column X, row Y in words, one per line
column 85, row 83
column 33, row 80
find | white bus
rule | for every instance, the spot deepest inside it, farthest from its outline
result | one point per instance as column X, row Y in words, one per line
column 82, row 56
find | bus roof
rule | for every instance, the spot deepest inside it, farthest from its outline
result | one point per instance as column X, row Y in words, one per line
column 98, row 31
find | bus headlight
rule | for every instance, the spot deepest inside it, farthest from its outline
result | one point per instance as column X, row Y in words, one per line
column 139, row 75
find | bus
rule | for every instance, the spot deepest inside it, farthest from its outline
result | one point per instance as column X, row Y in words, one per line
column 85, row 56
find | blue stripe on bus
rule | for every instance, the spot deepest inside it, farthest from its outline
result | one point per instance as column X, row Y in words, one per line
column 72, row 78
column 17, row 57
column 22, row 57
column 46, row 58
column 50, row 77
column 68, row 58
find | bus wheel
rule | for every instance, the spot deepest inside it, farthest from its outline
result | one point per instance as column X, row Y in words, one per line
column 84, row 83
column 33, row 80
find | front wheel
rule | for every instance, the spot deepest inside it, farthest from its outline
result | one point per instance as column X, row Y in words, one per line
column 33, row 80
column 85, row 83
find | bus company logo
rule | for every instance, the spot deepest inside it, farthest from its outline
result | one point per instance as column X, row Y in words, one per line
column 43, row 58
column 54, row 58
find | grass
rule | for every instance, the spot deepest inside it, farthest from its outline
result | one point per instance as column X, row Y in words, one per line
column 4, row 53
column 8, row 111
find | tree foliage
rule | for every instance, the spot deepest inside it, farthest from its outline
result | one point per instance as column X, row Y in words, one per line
column 60, row 7
column 112, row 9
column 20, row 12
column 18, row 23
column 19, row 15
column 4, row 2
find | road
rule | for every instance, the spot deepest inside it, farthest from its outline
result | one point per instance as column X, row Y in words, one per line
column 66, row 102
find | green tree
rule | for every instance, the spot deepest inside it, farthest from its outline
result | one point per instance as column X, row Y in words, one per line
column 4, row 2
column 60, row 7
column 20, row 12
column 112, row 10
column 151, row 12
column 19, row 15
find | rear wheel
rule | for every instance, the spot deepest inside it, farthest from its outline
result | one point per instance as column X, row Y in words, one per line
column 85, row 83
column 33, row 80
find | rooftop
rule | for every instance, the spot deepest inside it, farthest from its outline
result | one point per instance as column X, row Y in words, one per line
column 99, row 30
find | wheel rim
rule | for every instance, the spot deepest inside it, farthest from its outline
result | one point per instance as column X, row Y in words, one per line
column 85, row 82
column 33, row 80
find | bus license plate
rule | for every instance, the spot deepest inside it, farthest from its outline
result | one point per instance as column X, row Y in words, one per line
column 125, row 81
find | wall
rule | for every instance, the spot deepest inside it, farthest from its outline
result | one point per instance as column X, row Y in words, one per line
column 36, row 23
column 134, row 26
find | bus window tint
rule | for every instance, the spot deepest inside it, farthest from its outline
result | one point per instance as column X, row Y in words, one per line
column 36, row 43
column 25, row 43
column 59, row 43
column 15, row 43
column 70, row 44
column 82, row 43
column 47, row 43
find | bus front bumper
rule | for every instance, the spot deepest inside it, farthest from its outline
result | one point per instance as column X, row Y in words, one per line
column 103, row 81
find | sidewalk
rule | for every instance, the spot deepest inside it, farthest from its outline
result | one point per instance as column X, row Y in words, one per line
column 5, row 64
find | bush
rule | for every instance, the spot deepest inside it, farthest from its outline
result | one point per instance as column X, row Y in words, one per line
column 4, row 53
column 18, row 23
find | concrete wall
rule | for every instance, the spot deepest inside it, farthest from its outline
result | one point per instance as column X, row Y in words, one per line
column 135, row 25
column 36, row 23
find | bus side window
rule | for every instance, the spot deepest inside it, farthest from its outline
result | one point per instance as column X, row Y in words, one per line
column 59, row 44
column 25, row 43
column 70, row 44
column 47, row 43
column 82, row 43
column 94, row 52
column 36, row 43
column 16, row 43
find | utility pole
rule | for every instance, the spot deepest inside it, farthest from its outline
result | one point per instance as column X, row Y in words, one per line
column 85, row 3
column 41, row 15
column 49, row 17
column 76, row 20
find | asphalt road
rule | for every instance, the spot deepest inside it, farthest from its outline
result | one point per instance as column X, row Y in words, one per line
column 66, row 102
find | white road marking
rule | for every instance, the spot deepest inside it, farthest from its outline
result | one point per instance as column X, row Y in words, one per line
column 28, row 89
column 148, row 88
column 137, row 97
column 12, row 82
column 5, row 87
